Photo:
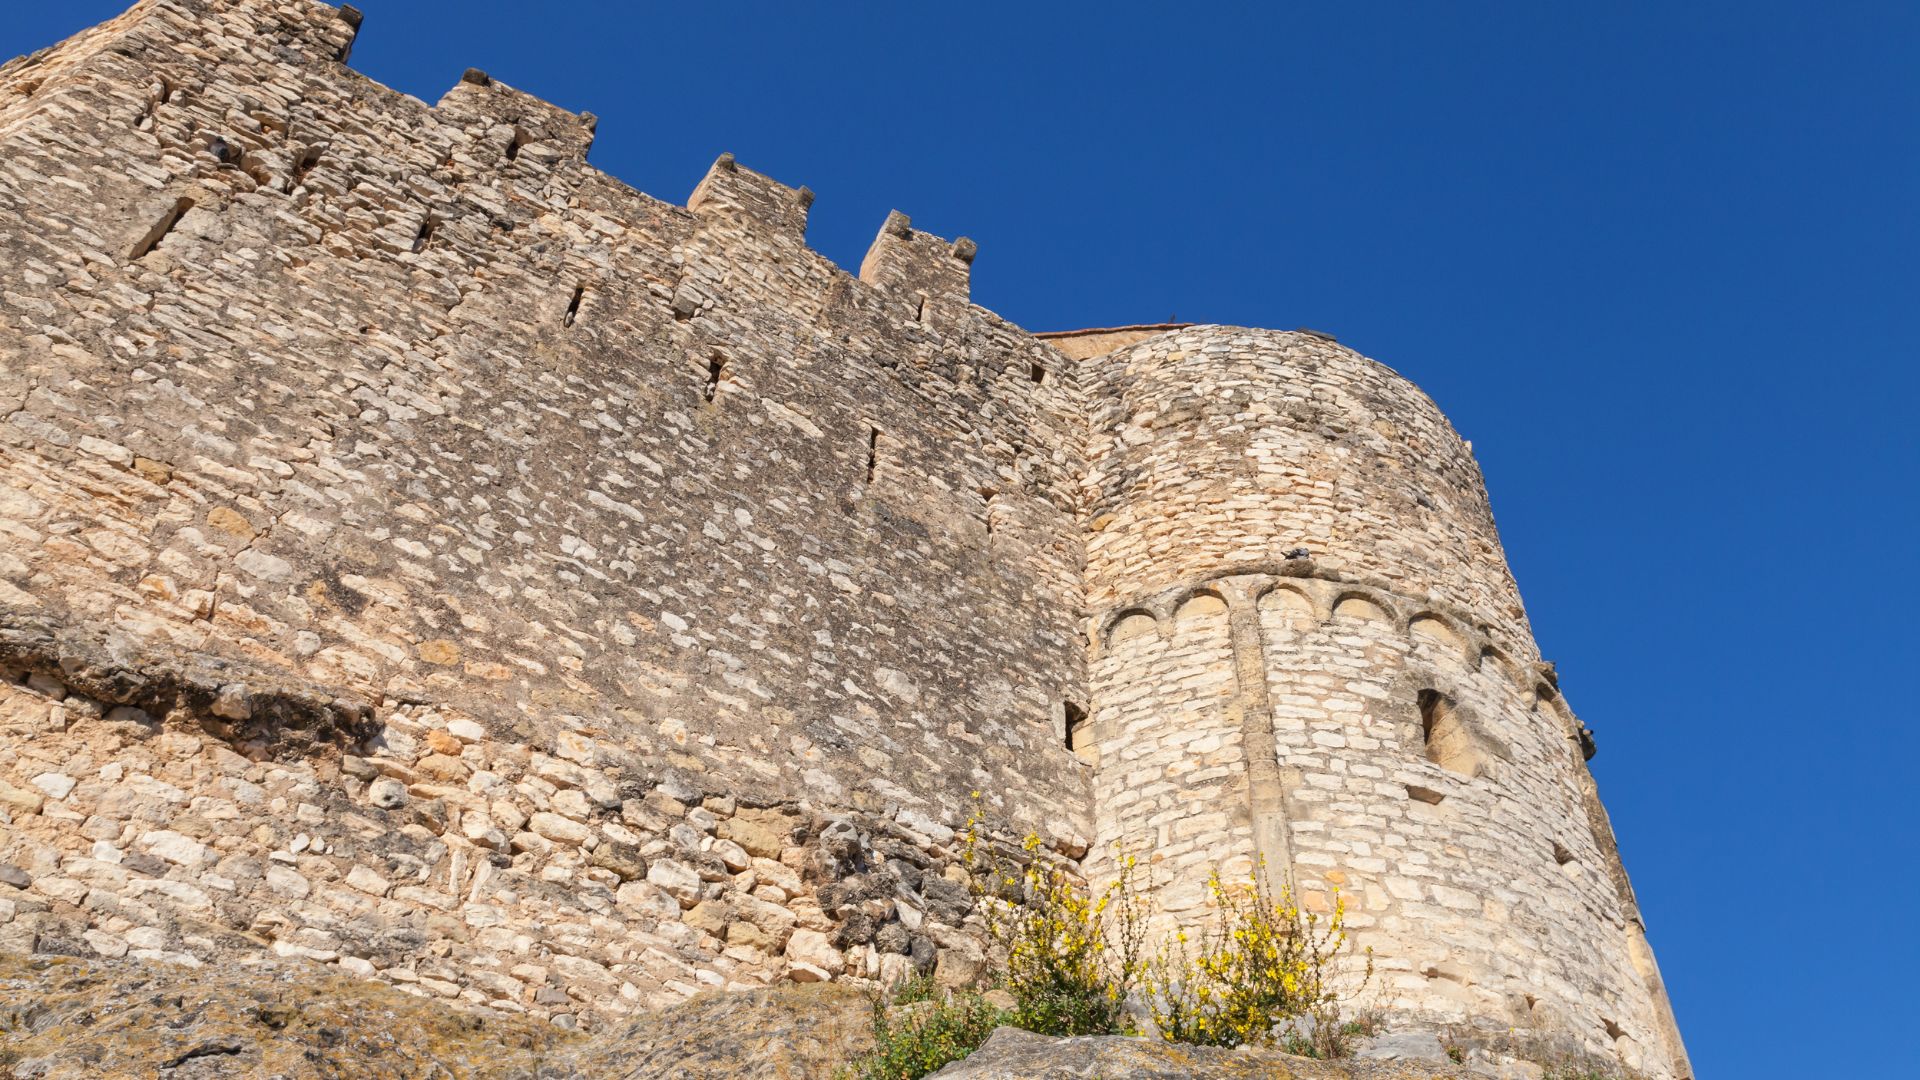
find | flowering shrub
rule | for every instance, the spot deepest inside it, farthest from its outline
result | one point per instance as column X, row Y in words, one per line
column 1071, row 957
column 1263, row 962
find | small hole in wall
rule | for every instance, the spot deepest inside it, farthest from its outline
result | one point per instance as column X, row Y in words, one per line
column 1038, row 373
column 1424, row 794
column 920, row 309
column 716, row 371
column 1561, row 856
column 1614, row 1031
column 308, row 160
column 987, row 495
column 573, row 307
column 425, row 236
column 520, row 139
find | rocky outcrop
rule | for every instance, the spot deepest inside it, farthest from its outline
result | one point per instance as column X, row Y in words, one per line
column 1012, row 1054
column 67, row 1019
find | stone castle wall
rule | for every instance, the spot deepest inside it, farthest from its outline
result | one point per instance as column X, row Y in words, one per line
column 337, row 424
column 1370, row 717
column 427, row 555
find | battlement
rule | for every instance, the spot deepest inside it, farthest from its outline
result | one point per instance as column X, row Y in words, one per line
column 522, row 125
column 908, row 262
column 754, row 198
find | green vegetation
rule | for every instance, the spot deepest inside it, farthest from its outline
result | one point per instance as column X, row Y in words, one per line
column 1071, row 957
column 1071, row 960
column 918, row 1028
column 1263, row 962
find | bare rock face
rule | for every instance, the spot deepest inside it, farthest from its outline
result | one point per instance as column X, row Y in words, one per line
column 67, row 1019
column 1012, row 1054
column 70, row 1019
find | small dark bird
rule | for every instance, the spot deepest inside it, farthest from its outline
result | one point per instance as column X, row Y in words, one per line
column 1299, row 553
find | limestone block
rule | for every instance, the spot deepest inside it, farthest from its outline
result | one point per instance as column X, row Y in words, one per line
column 731, row 855
column 760, row 832
column 623, row 859
column 367, row 881
column 20, row 800
column 56, row 785
column 174, row 847
column 387, row 793
column 559, row 829
column 710, row 916
column 960, row 964
column 677, row 879
column 810, row 950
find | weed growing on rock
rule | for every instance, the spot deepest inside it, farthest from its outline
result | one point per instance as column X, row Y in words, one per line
column 919, row 1027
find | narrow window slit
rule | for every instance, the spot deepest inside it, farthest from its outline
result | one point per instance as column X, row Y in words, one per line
column 716, row 370
column 160, row 228
column 573, row 311
column 1079, row 738
column 920, row 309
column 1448, row 741
column 425, row 236
column 873, row 452
column 987, row 495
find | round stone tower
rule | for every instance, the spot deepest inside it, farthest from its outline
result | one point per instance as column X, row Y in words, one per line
column 1308, row 654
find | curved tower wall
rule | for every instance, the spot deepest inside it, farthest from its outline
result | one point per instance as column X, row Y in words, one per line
column 1372, row 718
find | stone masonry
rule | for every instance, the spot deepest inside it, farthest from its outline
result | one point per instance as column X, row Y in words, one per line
column 424, row 554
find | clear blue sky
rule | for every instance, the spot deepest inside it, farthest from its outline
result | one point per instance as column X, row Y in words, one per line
column 1658, row 261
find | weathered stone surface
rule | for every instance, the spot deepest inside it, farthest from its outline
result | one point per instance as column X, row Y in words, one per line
column 387, row 793
column 759, row 832
column 622, row 859
column 1422, row 1046
column 97, row 1019
column 812, row 949
column 411, row 536
column 559, row 829
column 1012, row 1054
